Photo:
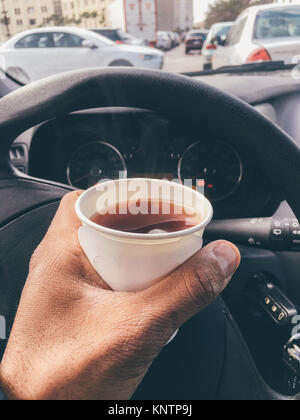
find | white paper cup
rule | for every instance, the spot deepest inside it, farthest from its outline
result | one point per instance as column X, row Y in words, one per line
column 132, row 262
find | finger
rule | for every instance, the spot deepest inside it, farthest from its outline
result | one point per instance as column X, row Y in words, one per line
column 64, row 230
column 66, row 223
column 194, row 285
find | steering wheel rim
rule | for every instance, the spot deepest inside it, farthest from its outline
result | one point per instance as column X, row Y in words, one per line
column 274, row 152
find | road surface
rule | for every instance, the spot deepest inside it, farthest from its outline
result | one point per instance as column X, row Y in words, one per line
column 178, row 62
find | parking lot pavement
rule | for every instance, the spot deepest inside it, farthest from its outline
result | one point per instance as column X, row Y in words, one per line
column 177, row 61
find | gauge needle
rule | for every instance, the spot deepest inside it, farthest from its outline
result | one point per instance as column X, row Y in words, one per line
column 82, row 178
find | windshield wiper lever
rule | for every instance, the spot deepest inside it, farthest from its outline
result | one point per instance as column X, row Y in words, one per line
column 266, row 233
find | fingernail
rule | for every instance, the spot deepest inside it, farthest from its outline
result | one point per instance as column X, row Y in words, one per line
column 227, row 258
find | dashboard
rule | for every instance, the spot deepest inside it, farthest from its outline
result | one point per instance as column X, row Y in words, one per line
column 84, row 147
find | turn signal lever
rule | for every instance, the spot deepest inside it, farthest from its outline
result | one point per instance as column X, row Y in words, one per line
column 270, row 233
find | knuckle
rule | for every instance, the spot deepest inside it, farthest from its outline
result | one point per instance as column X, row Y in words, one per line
column 201, row 286
column 70, row 197
column 52, row 256
column 37, row 257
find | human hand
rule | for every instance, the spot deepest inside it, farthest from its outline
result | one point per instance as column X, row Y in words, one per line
column 74, row 338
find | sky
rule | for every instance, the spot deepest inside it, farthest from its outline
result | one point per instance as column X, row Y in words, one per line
column 201, row 8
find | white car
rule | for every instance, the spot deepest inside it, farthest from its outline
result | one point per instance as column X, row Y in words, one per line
column 218, row 31
column 262, row 33
column 39, row 53
column 175, row 38
column 164, row 41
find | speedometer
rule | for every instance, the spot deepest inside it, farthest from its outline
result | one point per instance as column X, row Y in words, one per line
column 94, row 162
column 215, row 162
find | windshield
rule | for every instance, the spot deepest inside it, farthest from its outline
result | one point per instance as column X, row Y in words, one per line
column 42, row 38
column 282, row 23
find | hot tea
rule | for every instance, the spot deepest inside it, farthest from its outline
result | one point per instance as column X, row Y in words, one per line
column 150, row 217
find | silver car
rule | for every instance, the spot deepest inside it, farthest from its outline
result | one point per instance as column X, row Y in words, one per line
column 175, row 38
column 262, row 33
column 218, row 31
column 164, row 41
column 39, row 53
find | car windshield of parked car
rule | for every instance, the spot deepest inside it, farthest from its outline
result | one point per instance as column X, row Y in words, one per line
column 282, row 23
column 180, row 36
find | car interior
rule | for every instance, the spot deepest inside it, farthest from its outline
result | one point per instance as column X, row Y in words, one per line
column 58, row 133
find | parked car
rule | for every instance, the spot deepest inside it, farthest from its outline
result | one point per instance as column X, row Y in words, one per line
column 118, row 36
column 262, row 33
column 178, row 39
column 218, row 32
column 194, row 40
column 46, row 51
column 183, row 35
column 175, row 39
column 164, row 41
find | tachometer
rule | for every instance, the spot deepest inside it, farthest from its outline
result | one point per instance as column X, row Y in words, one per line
column 215, row 162
column 93, row 162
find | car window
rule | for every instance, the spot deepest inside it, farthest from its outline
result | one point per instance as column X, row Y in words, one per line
column 213, row 33
column 66, row 40
column 218, row 31
column 38, row 40
column 236, row 32
column 223, row 31
column 96, row 35
column 108, row 33
column 279, row 23
column 121, row 35
column 197, row 35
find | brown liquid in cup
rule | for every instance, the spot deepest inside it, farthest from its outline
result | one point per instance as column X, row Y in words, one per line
column 156, row 220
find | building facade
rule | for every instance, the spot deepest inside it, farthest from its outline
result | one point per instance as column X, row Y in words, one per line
column 175, row 15
column 26, row 14
column 116, row 13
column 86, row 13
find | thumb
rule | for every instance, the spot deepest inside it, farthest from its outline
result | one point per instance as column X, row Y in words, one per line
column 195, row 285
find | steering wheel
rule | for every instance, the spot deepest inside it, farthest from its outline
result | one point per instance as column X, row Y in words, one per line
column 28, row 205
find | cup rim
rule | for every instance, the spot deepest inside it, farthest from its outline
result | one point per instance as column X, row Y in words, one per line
column 136, row 236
